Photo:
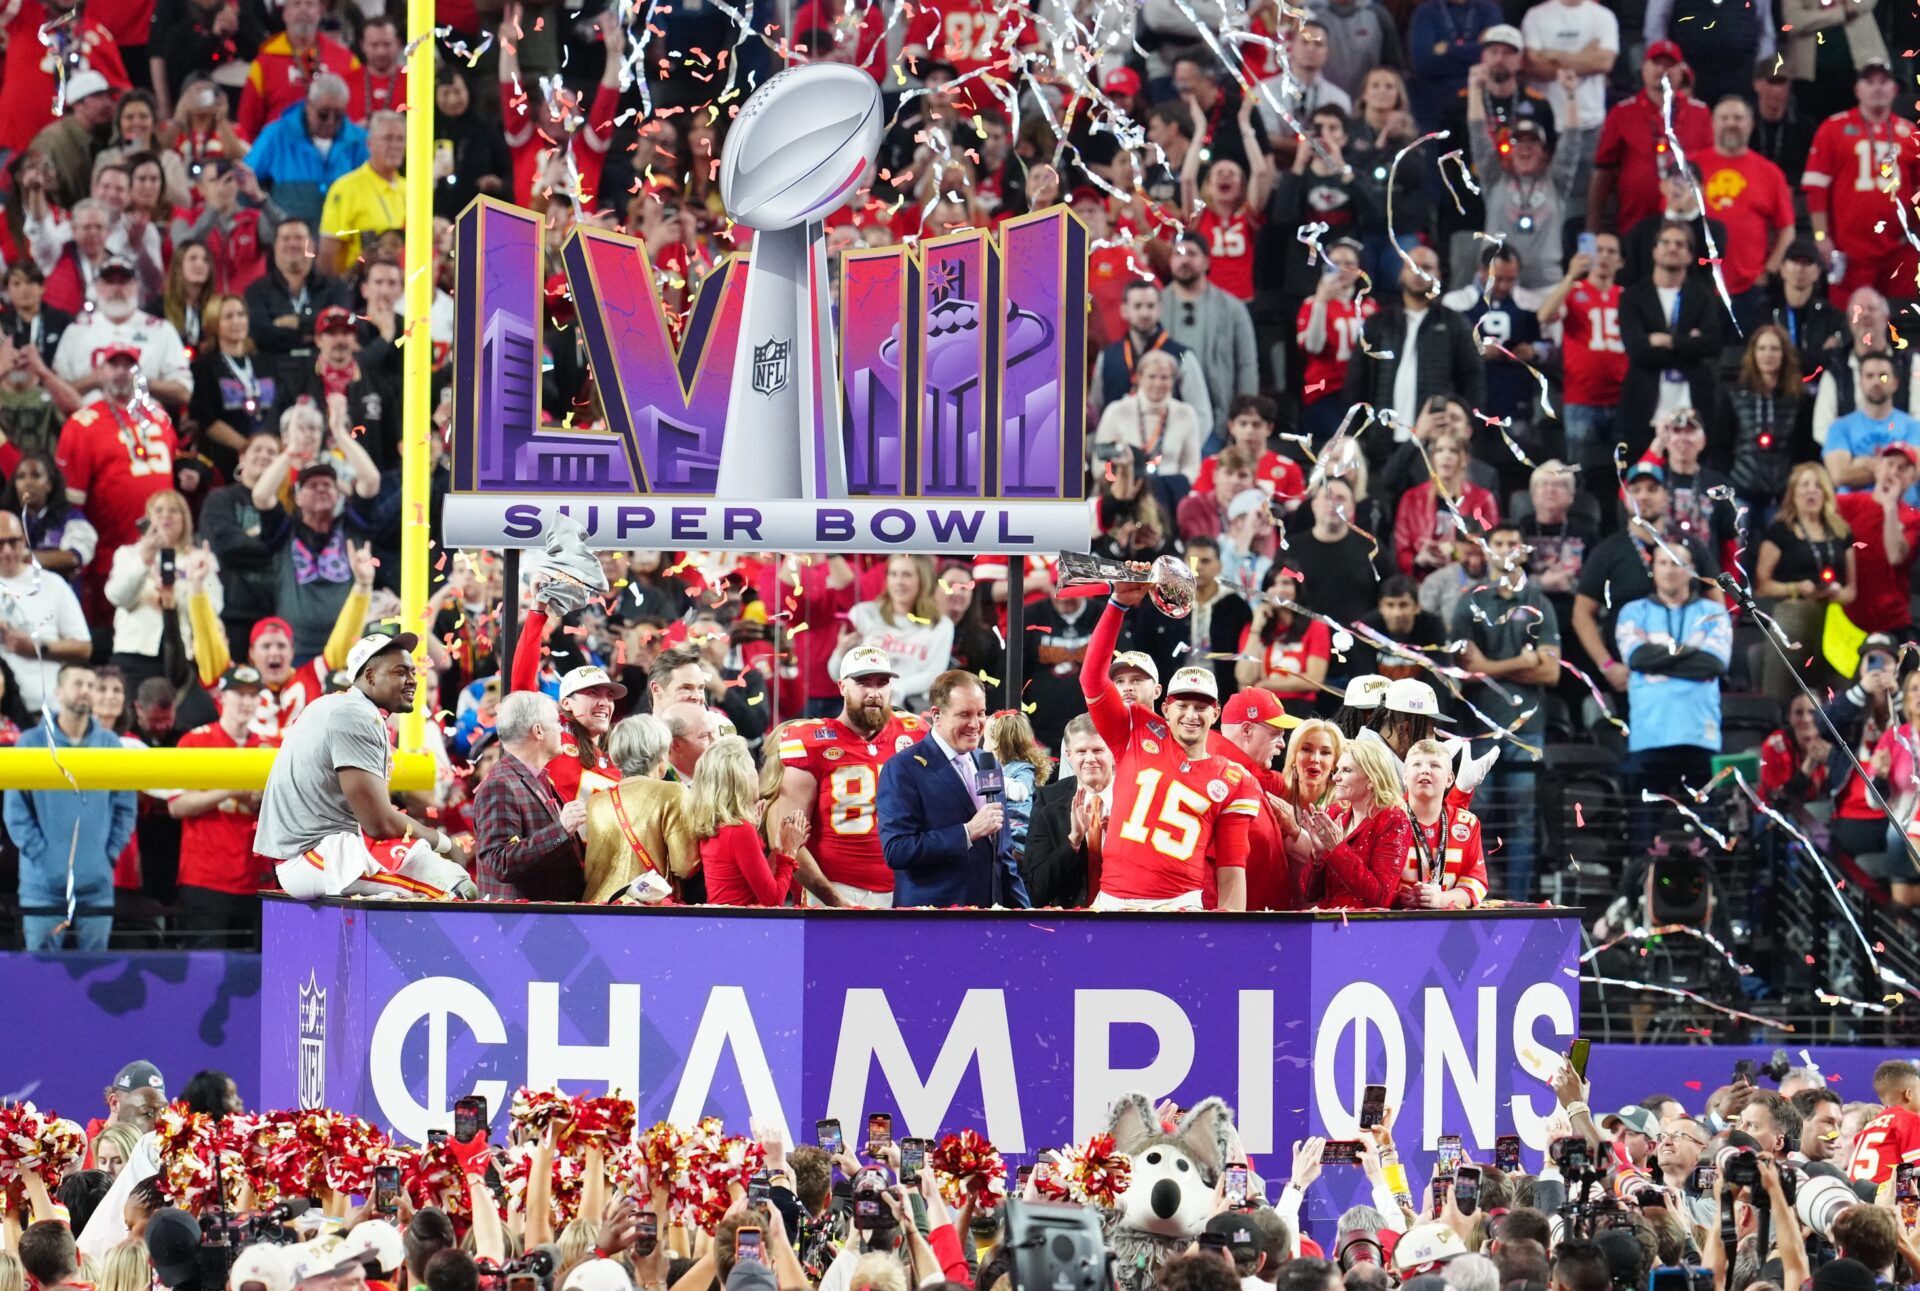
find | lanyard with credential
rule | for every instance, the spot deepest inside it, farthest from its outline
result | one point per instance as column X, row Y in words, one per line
column 1675, row 375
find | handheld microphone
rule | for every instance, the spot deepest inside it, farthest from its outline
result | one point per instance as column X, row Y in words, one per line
column 988, row 778
column 1735, row 593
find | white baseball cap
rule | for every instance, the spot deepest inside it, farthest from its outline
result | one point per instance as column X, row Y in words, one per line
column 866, row 661
column 86, row 83
column 1503, row 33
column 598, row 1275
column 1246, row 502
column 379, row 1241
column 1135, row 659
column 265, row 1263
column 1194, row 681
column 1425, row 1247
column 378, row 643
column 1366, row 690
column 1413, row 696
column 318, row 1257
column 588, row 677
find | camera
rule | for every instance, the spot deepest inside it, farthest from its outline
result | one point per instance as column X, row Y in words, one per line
column 869, row 1201
column 1574, row 1156
column 1818, row 1200
column 1056, row 1248
column 1738, row 1165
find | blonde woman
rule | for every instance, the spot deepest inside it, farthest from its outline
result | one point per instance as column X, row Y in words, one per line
column 1150, row 419
column 1805, row 564
column 141, row 586
column 1010, row 738
column 126, row 1268
column 115, row 1143
column 904, row 621
column 724, row 810
column 1360, row 845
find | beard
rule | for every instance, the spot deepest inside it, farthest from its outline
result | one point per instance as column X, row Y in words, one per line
column 869, row 718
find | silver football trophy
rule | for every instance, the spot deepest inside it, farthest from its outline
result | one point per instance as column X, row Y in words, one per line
column 802, row 146
column 1168, row 580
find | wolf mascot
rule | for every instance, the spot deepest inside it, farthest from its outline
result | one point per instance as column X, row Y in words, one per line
column 1170, row 1192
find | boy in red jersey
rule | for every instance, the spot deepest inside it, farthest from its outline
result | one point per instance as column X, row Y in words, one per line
column 1446, row 862
column 219, row 872
column 831, row 776
column 1176, row 806
column 1863, row 164
column 1893, row 1137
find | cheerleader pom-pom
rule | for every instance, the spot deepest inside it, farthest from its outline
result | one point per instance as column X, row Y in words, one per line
column 970, row 1169
column 536, row 1110
column 603, row 1122
column 1096, row 1174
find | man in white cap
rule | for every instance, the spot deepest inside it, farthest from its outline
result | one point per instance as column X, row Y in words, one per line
column 1189, row 836
column 378, row 1246
column 264, row 1266
column 831, row 775
column 327, row 815
column 1137, row 677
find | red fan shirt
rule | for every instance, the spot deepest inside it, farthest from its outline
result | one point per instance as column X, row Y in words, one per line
column 973, row 35
column 118, row 459
column 1326, row 370
column 1289, row 653
column 216, row 847
column 1279, row 476
column 1230, row 240
column 1850, row 168
column 1451, row 846
column 1889, row 1139
column 1595, row 362
column 578, row 758
column 27, row 84
column 280, row 708
column 844, row 830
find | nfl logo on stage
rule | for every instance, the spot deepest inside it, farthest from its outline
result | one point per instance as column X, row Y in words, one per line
column 313, row 1045
column 770, row 367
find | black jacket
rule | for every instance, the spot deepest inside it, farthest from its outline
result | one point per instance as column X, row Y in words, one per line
column 1054, row 871
column 1449, row 362
column 1697, row 339
column 236, row 536
column 289, row 349
column 373, row 409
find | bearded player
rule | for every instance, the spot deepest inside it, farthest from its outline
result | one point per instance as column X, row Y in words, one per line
column 1176, row 806
column 1893, row 1137
column 832, row 774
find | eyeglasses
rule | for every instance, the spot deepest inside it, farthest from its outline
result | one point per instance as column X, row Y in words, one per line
column 328, row 114
column 13, row 542
column 1681, row 1138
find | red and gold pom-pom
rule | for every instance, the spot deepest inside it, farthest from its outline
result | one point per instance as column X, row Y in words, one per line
column 970, row 1169
column 604, row 1121
column 353, row 1148
column 433, row 1177
column 199, row 1155
column 1096, row 1175
column 534, row 1110
column 39, row 1143
column 659, row 1149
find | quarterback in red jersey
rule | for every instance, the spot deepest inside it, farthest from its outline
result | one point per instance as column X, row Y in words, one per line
column 831, row 776
column 1893, row 1137
column 1176, row 806
column 1446, row 863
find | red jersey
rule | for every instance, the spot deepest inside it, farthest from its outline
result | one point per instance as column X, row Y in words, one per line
column 1633, row 143
column 844, row 830
column 279, row 708
column 868, row 40
column 216, row 847
column 1880, row 603
column 1780, row 759
column 1172, row 812
column 1450, row 847
column 27, row 85
column 1279, row 476
column 1110, row 271
column 1291, row 654
column 1595, row 362
column 1749, row 195
column 1855, row 172
column 580, row 766
column 280, row 75
column 973, row 35
column 1327, row 366
column 1889, row 1139
column 119, row 460
column 1271, row 883
column 1230, row 240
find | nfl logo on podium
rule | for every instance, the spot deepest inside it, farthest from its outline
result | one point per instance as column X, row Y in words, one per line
column 770, row 367
column 313, row 1044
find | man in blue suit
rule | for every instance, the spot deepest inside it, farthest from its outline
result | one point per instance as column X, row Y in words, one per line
column 948, row 845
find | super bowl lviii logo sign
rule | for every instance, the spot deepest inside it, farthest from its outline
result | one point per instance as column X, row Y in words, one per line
column 913, row 400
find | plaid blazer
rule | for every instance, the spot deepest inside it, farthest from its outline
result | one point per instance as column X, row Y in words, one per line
column 521, row 851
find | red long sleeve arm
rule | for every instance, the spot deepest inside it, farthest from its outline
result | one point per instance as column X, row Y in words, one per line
column 525, row 672
column 1104, row 705
column 946, row 1248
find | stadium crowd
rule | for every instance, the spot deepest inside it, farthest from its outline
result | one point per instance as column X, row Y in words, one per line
column 1658, row 337
column 1751, row 1187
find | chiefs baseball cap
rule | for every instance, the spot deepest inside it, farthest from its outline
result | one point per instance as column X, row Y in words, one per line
column 1192, row 683
column 1415, row 697
column 1258, row 705
column 1425, row 1247
column 118, row 266
column 589, row 677
column 1665, row 49
column 241, row 675
column 1121, row 80
column 866, row 661
column 1503, row 33
column 1368, row 690
column 370, row 647
column 1897, row 449
column 139, row 1074
column 270, row 624
column 334, row 318
column 119, row 350
column 1875, row 64
column 1135, row 659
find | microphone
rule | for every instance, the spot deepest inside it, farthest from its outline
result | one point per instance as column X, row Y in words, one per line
column 1737, row 594
column 988, row 778
column 287, row 1210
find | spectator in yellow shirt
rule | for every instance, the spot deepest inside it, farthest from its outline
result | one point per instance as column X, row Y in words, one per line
column 369, row 199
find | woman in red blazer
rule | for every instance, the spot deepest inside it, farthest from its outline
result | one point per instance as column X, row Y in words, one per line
column 1360, row 845
column 1423, row 528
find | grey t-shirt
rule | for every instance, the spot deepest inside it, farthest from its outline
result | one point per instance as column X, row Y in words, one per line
column 304, row 802
column 1503, row 629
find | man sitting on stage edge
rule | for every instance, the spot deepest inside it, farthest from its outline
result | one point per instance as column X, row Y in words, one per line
column 525, row 844
column 946, row 844
column 327, row 816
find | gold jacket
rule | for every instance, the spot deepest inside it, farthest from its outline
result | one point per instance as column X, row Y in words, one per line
column 654, row 822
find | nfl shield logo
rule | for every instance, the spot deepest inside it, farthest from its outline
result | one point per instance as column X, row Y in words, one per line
column 770, row 367
column 313, row 1045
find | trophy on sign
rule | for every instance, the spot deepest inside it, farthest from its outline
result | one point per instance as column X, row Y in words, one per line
column 1168, row 580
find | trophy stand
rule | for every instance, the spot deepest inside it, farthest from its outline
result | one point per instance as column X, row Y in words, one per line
column 783, row 432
